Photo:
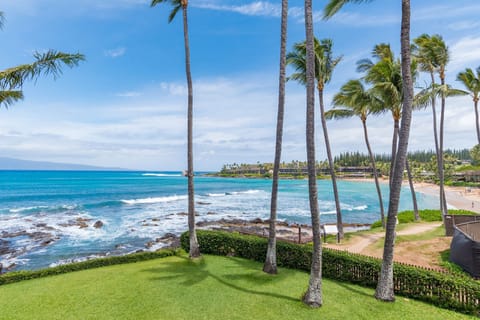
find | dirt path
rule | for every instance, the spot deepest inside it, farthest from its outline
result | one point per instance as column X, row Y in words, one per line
column 358, row 243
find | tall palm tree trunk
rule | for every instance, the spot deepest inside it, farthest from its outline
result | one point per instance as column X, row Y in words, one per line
column 384, row 290
column 441, row 174
column 270, row 265
column 330, row 164
column 409, row 174
column 194, row 247
column 437, row 145
column 375, row 173
column 313, row 296
column 416, row 215
column 396, row 123
column 477, row 124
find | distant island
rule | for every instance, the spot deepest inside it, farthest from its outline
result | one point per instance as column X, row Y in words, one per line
column 19, row 164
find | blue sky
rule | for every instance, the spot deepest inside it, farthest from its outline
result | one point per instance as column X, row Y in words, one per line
column 126, row 105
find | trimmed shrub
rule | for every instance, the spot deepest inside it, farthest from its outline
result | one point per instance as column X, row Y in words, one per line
column 17, row 276
column 440, row 289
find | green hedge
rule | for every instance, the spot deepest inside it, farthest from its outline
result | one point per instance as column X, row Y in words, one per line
column 89, row 264
column 427, row 215
column 440, row 289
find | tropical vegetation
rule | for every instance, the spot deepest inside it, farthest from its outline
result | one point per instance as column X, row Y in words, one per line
column 387, row 84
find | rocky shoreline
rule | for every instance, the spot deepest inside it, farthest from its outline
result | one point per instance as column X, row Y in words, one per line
column 17, row 243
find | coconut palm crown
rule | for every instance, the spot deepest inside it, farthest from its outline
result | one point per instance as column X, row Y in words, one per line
column 471, row 81
column 324, row 61
column 176, row 4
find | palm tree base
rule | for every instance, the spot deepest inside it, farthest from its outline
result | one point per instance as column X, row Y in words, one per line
column 385, row 293
column 270, row 268
column 194, row 251
column 270, row 265
column 313, row 298
column 387, row 298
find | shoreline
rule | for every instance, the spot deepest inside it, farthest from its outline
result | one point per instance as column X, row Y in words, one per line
column 465, row 198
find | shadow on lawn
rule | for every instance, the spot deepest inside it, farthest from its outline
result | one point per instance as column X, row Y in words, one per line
column 350, row 287
column 196, row 271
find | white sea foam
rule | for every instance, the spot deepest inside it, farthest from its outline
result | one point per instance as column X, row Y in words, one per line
column 216, row 194
column 363, row 207
column 20, row 210
column 154, row 200
column 161, row 175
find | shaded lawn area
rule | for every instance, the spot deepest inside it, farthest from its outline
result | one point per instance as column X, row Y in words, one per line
column 210, row 288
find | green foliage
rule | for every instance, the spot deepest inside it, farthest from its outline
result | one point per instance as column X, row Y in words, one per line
column 89, row 264
column 430, row 286
column 462, row 184
column 475, row 153
column 427, row 215
column 467, row 168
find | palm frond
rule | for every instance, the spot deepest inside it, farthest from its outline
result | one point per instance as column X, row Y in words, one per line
column 335, row 5
column 9, row 97
column 177, row 5
column 2, row 19
column 173, row 13
column 339, row 113
column 47, row 63
column 325, row 62
column 468, row 79
column 364, row 65
column 431, row 52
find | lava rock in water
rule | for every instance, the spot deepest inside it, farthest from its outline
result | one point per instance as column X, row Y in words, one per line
column 98, row 224
column 5, row 247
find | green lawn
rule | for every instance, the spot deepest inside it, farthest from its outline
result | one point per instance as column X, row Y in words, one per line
column 212, row 288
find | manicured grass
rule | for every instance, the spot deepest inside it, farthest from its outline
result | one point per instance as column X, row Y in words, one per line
column 210, row 288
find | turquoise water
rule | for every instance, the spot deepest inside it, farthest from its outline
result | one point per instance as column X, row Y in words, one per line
column 40, row 210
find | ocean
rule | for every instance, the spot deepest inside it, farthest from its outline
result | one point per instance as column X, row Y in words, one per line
column 47, row 217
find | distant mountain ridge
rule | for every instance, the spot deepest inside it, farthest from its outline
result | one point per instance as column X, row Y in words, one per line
column 19, row 164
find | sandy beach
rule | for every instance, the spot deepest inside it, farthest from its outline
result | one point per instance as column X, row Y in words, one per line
column 466, row 198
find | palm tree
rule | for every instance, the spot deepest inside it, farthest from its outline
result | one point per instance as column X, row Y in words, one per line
column 354, row 100
column 386, row 78
column 432, row 55
column 177, row 5
column 313, row 295
column 270, row 265
column 471, row 81
column 384, row 289
column 324, row 66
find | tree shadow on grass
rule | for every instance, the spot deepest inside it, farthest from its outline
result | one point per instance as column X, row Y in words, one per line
column 351, row 287
column 193, row 272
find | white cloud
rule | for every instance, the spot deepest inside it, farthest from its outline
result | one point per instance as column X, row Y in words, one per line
column 116, row 52
column 129, row 94
column 442, row 11
column 258, row 8
column 465, row 53
column 464, row 25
